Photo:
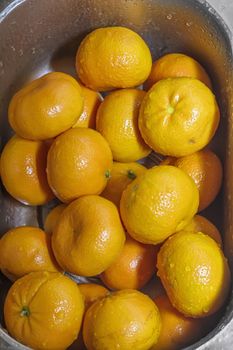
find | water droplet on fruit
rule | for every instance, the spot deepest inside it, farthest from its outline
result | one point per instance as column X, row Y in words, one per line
column 205, row 310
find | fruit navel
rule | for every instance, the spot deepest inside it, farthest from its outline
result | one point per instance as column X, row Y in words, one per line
column 25, row 312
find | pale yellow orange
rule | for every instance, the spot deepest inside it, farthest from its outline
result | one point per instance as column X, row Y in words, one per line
column 158, row 203
column 117, row 121
column 113, row 57
column 194, row 273
column 124, row 320
column 178, row 116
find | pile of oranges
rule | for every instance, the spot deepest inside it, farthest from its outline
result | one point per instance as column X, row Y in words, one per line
column 117, row 220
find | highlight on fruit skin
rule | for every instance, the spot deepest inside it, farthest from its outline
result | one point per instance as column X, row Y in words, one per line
column 78, row 164
column 23, row 171
column 46, row 107
column 117, row 121
column 26, row 249
column 205, row 168
column 113, row 57
column 134, row 267
column 174, row 65
column 153, row 208
column 178, row 116
column 89, row 236
column 194, row 273
column 47, row 308
column 121, row 320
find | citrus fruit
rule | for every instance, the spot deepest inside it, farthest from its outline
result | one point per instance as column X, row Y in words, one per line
column 205, row 169
column 122, row 174
column 174, row 65
column 158, row 203
column 201, row 224
column 113, row 57
column 89, row 236
column 46, row 107
column 25, row 249
column 194, row 273
column 91, row 102
column 178, row 116
column 92, row 292
column 23, row 171
column 44, row 310
column 133, row 268
column 53, row 217
column 177, row 330
column 79, row 163
column 124, row 320
column 117, row 121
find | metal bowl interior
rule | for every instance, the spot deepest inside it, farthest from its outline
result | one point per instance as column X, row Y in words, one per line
column 40, row 36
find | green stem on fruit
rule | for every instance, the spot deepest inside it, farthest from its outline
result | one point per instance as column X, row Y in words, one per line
column 25, row 311
column 107, row 174
column 131, row 175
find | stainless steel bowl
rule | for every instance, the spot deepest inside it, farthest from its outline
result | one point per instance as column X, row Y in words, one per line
column 40, row 36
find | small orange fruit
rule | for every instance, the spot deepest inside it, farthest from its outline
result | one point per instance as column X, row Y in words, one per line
column 177, row 330
column 23, row 171
column 92, row 292
column 53, row 217
column 122, row 174
column 44, row 310
column 158, row 203
column 127, row 319
column 89, row 236
column 205, row 168
column 46, row 107
column 201, row 224
column 113, row 57
column 178, row 116
column 174, row 65
column 25, row 249
column 92, row 100
column 194, row 273
column 117, row 121
column 133, row 268
column 79, row 163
